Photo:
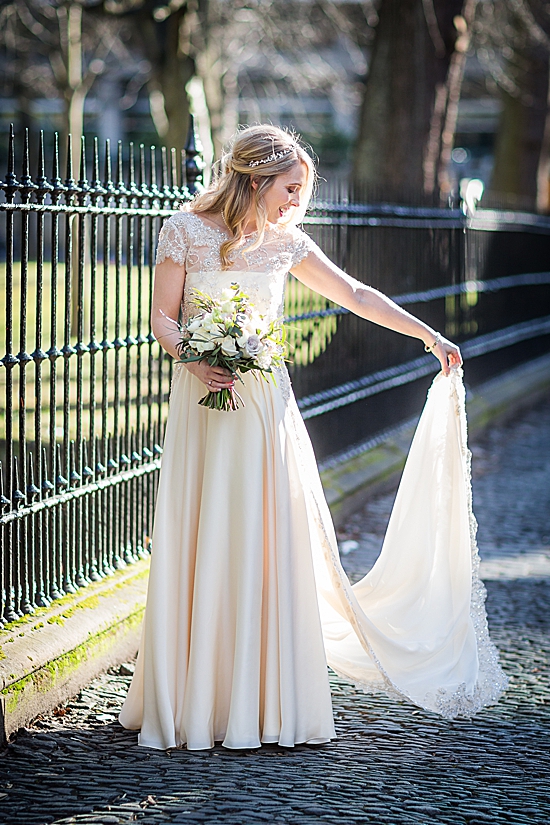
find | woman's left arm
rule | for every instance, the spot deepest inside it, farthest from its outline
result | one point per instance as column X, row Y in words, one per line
column 319, row 273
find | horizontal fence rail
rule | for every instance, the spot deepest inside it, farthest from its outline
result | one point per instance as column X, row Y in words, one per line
column 86, row 385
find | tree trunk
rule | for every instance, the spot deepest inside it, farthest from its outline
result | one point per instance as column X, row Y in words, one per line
column 406, row 99
column 520, row 173
column 71, row 82
column 173, row 68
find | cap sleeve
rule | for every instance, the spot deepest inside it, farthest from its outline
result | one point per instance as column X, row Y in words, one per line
column 302, row 246
column 173, row 240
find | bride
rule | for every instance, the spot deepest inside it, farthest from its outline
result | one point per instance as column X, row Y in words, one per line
column 247, row 600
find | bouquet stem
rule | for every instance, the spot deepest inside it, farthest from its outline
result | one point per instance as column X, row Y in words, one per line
column 224, row 400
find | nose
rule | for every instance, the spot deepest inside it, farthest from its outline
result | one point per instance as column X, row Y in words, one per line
column 294, row 200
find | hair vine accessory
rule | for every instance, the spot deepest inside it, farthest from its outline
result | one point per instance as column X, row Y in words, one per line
column 270, row 158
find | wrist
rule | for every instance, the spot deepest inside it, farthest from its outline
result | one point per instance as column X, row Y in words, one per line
column 427, row 336
column 432, row 342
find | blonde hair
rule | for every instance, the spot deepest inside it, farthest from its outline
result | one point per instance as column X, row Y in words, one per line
column 257, row 153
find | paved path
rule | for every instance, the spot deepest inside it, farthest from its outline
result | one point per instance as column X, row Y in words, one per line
column 391, row 764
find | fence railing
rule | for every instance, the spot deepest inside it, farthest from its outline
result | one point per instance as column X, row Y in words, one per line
column 86, row 384
column 482, row 280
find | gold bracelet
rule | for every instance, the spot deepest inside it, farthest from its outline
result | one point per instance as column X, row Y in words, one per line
column 435, row 343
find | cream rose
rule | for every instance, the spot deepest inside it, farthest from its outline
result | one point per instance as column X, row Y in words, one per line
column 229, row 346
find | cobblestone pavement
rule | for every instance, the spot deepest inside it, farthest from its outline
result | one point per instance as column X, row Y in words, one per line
column 392, row 764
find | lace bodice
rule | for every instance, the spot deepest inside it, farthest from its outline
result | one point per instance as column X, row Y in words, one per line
column 192, row 242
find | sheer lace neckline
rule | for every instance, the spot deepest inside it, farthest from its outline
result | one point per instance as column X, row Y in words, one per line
column 269, row 227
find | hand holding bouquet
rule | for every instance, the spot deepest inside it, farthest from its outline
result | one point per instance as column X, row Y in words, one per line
column 229, row 333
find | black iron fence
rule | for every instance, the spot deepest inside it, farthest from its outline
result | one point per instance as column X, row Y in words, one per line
column 482, row 280
column 86, row 384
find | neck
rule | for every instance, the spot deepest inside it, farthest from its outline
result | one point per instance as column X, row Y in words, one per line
column 249, row 225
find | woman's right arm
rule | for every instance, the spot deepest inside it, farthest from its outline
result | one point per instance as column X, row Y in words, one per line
column 167, row 297
column 165, row 310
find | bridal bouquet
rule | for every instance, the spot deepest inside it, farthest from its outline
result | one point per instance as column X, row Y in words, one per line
column 229, row 333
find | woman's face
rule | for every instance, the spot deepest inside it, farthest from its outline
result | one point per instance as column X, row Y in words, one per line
column 286, row 192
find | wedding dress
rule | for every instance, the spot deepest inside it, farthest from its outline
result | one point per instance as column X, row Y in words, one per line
column 247, row 599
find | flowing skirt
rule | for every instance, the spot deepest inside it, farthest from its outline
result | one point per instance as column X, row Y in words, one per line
column 247, row 599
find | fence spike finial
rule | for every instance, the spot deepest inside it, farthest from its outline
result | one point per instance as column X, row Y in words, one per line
column 134, row 191
column 70, row 183
column 26, row 153
column 131, row 162
column 57, row 184
column 174, row 172
column 164, row 173
column 70, row 158
column 83, row 181
column 11, row 151
column 27, row 184
column 120, row 169
column 96, row 187
column 43, row 184
column 108, row 183
column 142, row 173
column 4, row 500
column 60, row 480
column 18, row 496
column 153, row 174
column 32, row 489
column 11, row 184
column 193, row 163
column 46, row 484
column 74, row 476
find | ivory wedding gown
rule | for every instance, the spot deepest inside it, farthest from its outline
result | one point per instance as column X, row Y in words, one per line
column 247, row 599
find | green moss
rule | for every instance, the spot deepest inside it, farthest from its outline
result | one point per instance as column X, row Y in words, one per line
column 92, row 601
column 73, row 601
column 56, row 620
column 2, row 655
column 58, row 671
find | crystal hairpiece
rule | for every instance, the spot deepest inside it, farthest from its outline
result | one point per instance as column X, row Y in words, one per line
column 270, row 158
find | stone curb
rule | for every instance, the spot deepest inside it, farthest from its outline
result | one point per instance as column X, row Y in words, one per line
column 349, row 484
column 47, row 657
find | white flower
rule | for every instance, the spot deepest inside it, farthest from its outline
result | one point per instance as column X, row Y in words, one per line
column 208, row 327
column 203, row 345
column 264, row 360
column 195, row 323
column 242, row 339
column 253, row 345
column 229, row 346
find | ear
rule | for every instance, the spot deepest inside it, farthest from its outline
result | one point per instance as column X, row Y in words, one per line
column 254, row 183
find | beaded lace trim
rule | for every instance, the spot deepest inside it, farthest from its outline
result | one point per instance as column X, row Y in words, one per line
column 189, row 241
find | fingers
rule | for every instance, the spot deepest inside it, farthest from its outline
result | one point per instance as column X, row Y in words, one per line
column 220, row 372
column 449, row 357
column 217, row 379
column 214, row 378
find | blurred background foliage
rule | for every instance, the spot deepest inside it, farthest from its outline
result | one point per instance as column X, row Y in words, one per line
column 408, row 99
